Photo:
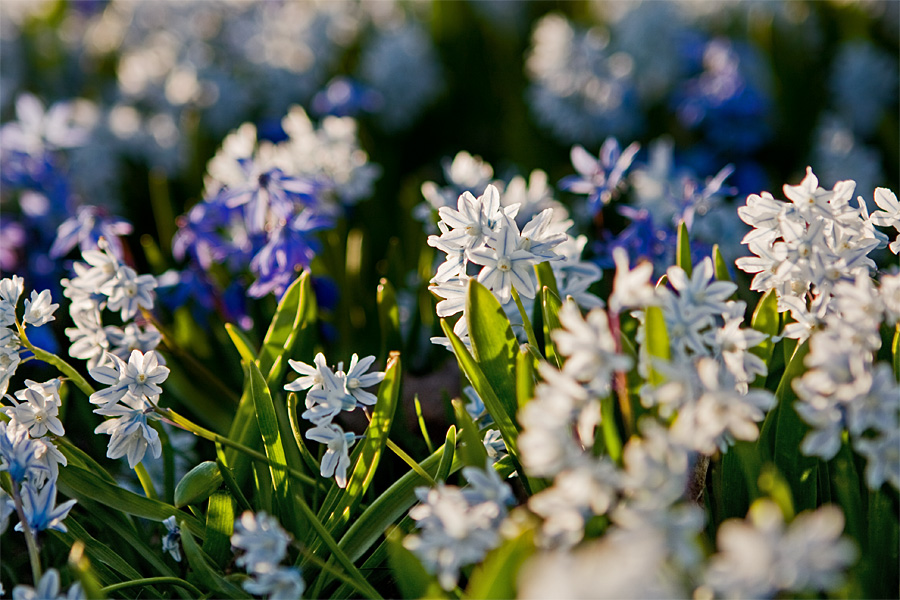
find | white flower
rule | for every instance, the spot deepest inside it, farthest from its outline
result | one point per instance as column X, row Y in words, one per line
column 356, row 378
column 472, row 224
column 889, row 215
column 39, row 408
column 883, row 458
column 631, row 287
column 263, row 541
column 89, row 339
column 453, row 291
column 759, row 557
column 337, row 458
column 39, row 308
column 9, row 359
column 140, row 377
column 505, row 264
column 316, row 377
column 129, row 291
column 11, row 289
column 589, row 346
column 130, row 435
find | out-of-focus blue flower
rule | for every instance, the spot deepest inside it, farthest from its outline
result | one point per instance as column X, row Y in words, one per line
column 581, row 90
column 599, row 179
column 344, row 97
column 267, row 193
column 326, row 291
column 839, row 154
column 287, row 248
column 723, row 101
column 863, row 85
column 401, row 65
column 12, row 240
column 85, row 229
column 191, row 287
column 199, row 234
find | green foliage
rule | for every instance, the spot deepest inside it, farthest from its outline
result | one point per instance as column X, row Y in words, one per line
column 493, row 343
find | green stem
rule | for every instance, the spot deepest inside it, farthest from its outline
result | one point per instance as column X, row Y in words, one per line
column 52, row 359
column 526, row 322
column 411, row 462
column 196, row 593
column 33, row 555
column 146, row 481
column 188, row 425
column 360, row 582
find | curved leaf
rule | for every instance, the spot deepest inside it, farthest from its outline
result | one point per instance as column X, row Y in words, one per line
column 493, row 343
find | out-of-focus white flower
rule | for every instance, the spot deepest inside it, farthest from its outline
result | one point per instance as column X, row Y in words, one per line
column 760, row 556
column 883, row 458
column 48, row 589
column 631, row 287
column 263, row 541
column 11, row 289
column 589, row 347
column 889, row 215
column 281, row 583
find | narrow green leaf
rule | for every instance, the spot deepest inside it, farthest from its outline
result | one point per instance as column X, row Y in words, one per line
column 241, row 342
column 97, row 551
column 508, row 429
column 409, row 574
column 231, row 484
column 496, row 577
column 546, row 278
column 449, row 451
column 471, row 448
column 82, row 484
column 493, row 343
column 301, row 332
column 377, row 433
column 683, row 253
column 81, row 566
column 388, row 318
column 389, row 506
column 611, row 438
column 848, row 490
column 656, row 341
column 271, row 436
column 198, row 484
column 420, row 417
column 524, row 377
column 789, row 431
column 550, row 305
column 206, row 575
column 219, row 527
column 311, row 463
column 283, row 323
column 721, row 267
column 766, row 320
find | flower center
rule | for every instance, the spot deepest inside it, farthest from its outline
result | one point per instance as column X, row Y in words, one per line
column 504, row 264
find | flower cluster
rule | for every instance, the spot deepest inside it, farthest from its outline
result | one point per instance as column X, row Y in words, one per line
column 264, row 201
column 329, row 393
column 458, row 526
column 264, row 544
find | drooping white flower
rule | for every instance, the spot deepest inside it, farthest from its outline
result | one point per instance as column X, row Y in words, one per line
column 130, row 434
column 337, row 457
column 172, row 540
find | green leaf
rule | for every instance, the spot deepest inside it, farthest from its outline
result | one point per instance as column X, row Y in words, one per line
column 198, row 484
column 390, row 506
column 766, row 319
column 524, row 377
column 720, row 266
column 97, row 551
column 895, row 351
column 546, row 278
column 847, row 489
column 82, row 484
column 388, row 318
column 471, row 447
column 219, row 527
column 773, row 484
column 496, row 577
column 447, row 455
column 311, row 463
column 789, row 431
column 493, row 343
column 81, row 566
column 656, row 341
column 409, row 574
column 683, row 253
column 293, row 318
column 550, row 305
column 377, row 433
column 241, row 342
column 508, row 429
column 271, row 435
column 611, row 438
column 206, row 575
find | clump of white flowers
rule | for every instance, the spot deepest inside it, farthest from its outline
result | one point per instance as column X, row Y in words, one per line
column 264, row 544
column 329, row 393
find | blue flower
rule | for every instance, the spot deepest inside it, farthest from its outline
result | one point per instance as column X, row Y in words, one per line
column 85, row 229
column 41, row 510
column 21, row 455
column 344, row 97
column 600, row 179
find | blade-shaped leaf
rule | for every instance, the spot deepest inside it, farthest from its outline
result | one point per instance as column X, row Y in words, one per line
column 524, row 377
column 719, row 264
column 388, row 318
column 219, row 527
column 267, row 421
column 496, row 577
column 471, row 447
column 656, row 340
column 550, row 305
column 493, row 343
column 447, row 455
column 683, row 249
column 766, row 320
